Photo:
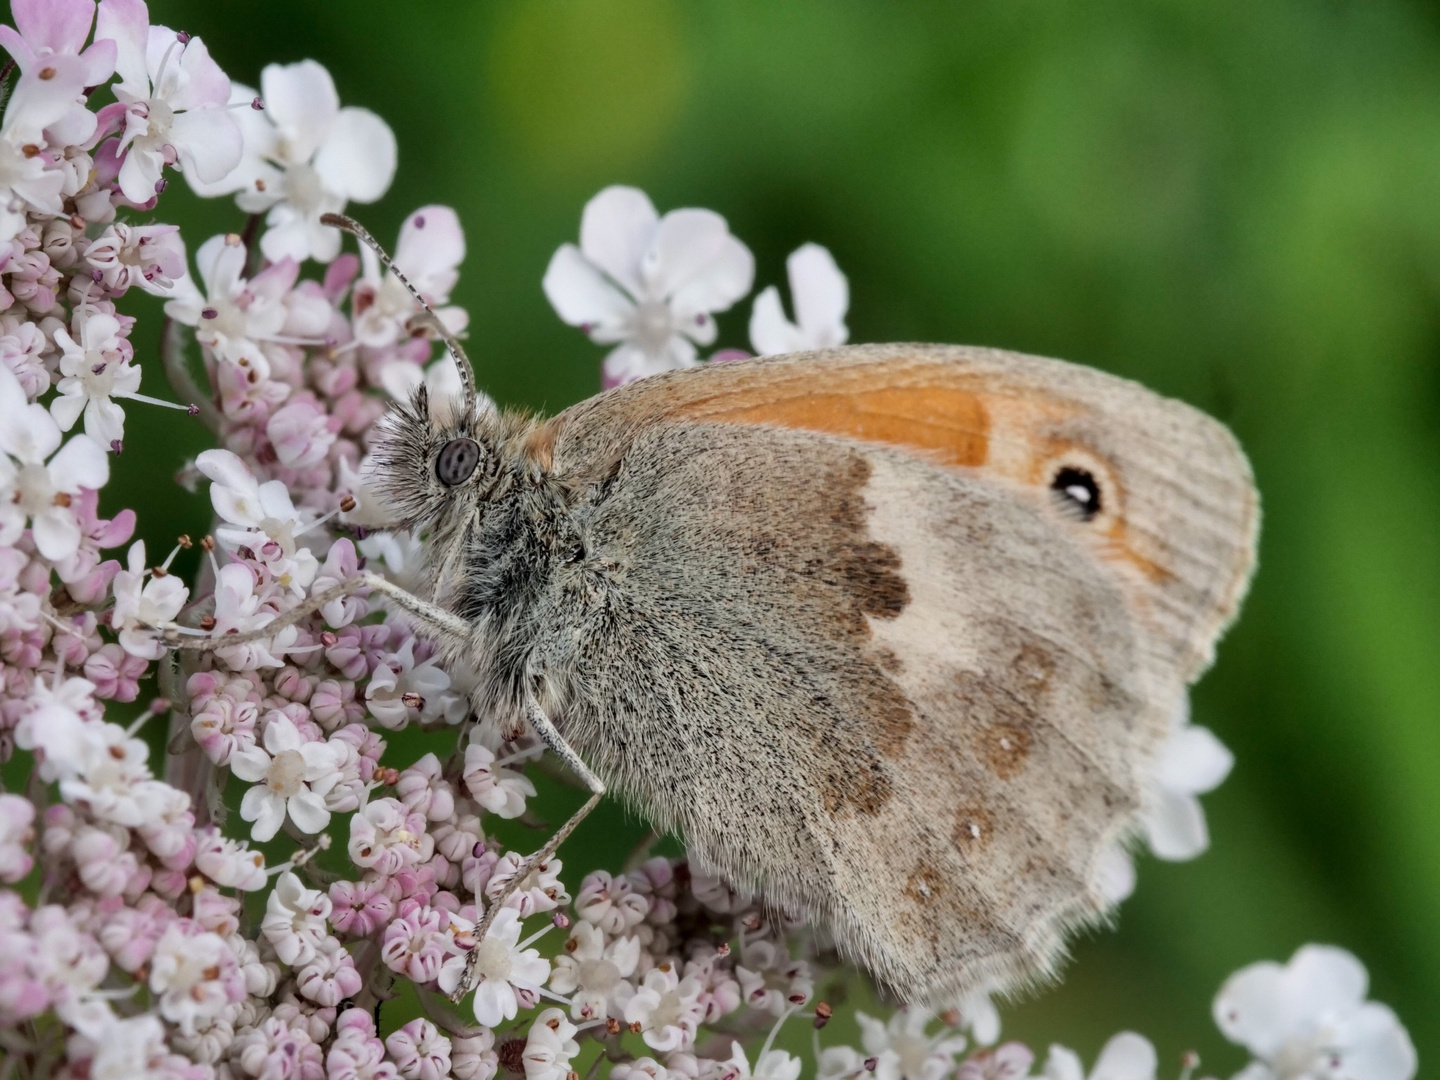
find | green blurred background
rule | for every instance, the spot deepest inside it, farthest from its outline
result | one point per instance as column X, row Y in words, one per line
column 1234, row 201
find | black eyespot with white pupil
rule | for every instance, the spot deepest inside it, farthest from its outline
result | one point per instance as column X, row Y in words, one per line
column 456, row 461
column 1078, row 489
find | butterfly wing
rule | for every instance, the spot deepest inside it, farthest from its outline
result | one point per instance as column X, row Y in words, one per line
column 858, row 650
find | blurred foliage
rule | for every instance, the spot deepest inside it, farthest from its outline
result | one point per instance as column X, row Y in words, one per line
column 1234, row 201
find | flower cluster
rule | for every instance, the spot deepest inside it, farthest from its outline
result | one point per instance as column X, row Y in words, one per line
column 141, row 933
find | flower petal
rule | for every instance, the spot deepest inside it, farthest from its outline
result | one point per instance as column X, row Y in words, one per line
column 300, row 99
column 581, row 295
column 771, row 333
column 616, row 229
column 357, row 158
column 209, row 143
column 127, row 23
column 431, row 244
column 1193, row 760
column 250, row 764
column 308, row 812
column 1175, row 826
column 79, row 464
column 56, row 532
column 265, row 809
column 1127, row 1056
column 820, row 293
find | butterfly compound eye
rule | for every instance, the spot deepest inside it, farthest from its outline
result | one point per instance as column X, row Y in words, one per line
column 456, row 461
column 1079, row 490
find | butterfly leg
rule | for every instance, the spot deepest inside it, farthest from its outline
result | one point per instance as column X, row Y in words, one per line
column 431, row 619
column 547, row 731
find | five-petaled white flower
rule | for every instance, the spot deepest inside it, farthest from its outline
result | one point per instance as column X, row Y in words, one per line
column 234, row 315
column 295, row 919
column 1309, row 1020
column 305, row 156
column 648, row 283
column 770, row 1065
column 142, row 603
column 550, row 1047
column 508, row 974
column 95, row 372
column 36, row 486
column 1127, row 1056
column 902, row 1049
column 290, row 776
column 259, row 517
column 821, row 296
column 592, row 972
column 172, row 99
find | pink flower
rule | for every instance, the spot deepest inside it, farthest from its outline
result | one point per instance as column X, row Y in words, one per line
column 17, row 818
column 385, row 836
column 223, row 714
column 330, row 977
column 301, row 432
column 360, row 908
column 424, row 790
column 420, row 1052
column 277, row 1050
column 150, row 256
column 416, row 944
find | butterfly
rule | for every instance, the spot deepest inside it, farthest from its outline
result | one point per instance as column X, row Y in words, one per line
column 891, row 634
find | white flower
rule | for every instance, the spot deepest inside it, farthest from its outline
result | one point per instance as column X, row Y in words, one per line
column 398, row 683
column 292, row 778
column 429, row 251
column 175, row 101
column 238, row 609
column 1126, row 1056
column 234, row 315
column 592, row 973
column 260, row 517
column 185, row 973
column 1309, row 1020
column 143, row 602
column 667, row 1008
column 649, row 283
column 771, row 1065
column 28, row 180
column 1192, row 761
column 305, row 156
column 37, row 490
column 384, row 838
column 902, row 1049
column 507, row 975
column 229, row 862
column 979, row 1014
column 500, row 790
column 821, row 296
column 95, row 372
column 839, row 1063
column 294, row 920
column 550, row 1047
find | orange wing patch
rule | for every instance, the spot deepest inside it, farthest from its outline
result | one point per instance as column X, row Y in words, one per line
column 950, row 425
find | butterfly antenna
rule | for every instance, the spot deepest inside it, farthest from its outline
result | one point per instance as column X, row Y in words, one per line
column 457, row 354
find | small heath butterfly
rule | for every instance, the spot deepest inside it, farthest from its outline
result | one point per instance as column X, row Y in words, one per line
column 888, row 633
